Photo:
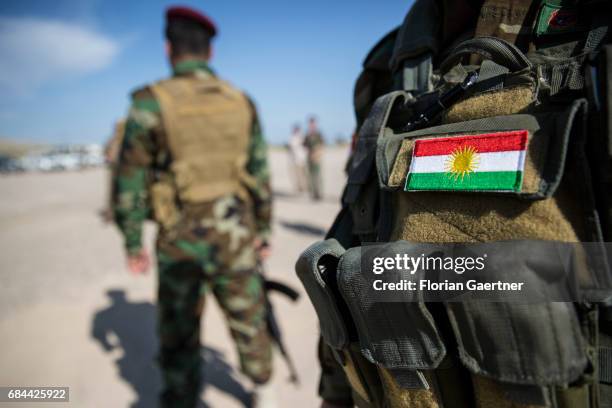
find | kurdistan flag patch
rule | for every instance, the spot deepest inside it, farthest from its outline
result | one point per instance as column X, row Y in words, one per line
column 483, row 162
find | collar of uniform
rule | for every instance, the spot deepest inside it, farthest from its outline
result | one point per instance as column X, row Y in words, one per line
column 192, row 66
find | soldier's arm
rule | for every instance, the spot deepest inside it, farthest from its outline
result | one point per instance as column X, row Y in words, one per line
column 260, row 190
column 135, row 160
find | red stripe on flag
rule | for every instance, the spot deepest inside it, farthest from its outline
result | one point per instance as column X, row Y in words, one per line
column 487, row 142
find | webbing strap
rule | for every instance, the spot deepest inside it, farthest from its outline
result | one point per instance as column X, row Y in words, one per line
column 605, row 365
column 417, row 74
column 564, row 76
column 409, row 379
column 492, row 48
column 598, row 31
column 491, row 74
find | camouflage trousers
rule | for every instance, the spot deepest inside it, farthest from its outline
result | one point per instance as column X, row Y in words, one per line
column 209, row 251
column 315, row 182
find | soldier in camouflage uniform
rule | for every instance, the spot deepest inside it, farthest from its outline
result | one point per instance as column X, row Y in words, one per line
column 313, row 141
column 204, row 177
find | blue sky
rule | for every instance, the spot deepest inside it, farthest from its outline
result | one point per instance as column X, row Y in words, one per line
column 68, row 66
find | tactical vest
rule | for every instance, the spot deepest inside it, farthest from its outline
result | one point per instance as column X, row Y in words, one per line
column 471, row 354
column 207, row 124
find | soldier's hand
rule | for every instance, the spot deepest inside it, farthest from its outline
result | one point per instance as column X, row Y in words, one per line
column 263, row 248
column 138, row 264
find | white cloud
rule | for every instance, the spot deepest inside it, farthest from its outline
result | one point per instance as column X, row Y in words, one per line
column 36, row 51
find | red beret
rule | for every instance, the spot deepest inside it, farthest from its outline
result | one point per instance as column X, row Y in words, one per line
column 191, row 14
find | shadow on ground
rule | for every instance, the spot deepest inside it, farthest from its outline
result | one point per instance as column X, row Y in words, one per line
column 129, row 327
column 304, row 197
column 285, row 194
column 303, row 228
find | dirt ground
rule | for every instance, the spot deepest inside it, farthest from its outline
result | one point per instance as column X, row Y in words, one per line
column 71, row 315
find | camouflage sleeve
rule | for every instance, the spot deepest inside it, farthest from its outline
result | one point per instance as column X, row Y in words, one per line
column 135, row 159
column 257, row 167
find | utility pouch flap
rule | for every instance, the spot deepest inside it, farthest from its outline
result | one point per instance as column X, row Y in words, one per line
column 520, row 154
column 316, row 268
column 163, row 201
column 531, row 344
column 395, row 335
column 364, row 156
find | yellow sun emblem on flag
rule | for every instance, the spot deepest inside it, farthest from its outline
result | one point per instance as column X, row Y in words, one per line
column 463, row 161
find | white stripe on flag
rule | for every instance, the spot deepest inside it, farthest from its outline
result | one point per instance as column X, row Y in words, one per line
column 492, row 161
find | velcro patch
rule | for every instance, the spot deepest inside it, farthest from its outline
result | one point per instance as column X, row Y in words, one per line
column 556, row 19
column 469, row 162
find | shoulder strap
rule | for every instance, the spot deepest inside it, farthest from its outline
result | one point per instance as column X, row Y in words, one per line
column 417, row 42
column 362, row 193
column 495, row 49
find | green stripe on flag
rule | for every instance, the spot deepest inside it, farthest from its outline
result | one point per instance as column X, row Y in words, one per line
column 485, row 181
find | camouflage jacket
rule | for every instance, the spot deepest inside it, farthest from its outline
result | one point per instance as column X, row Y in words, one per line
column 313, row 140
column 144, row 147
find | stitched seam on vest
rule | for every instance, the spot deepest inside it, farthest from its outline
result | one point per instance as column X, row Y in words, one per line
column 555, row 336
column 515, row 342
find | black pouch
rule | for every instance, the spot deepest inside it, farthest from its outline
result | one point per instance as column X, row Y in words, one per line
column 316, row 268
column 520, row 343
column 399, row 336
column 361, row 193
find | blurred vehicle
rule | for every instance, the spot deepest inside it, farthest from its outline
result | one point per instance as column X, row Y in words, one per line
column 9, row 165
column 64, row 158
column 36, row 162
column 92, row 156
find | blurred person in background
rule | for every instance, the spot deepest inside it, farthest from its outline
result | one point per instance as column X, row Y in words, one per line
column 200, row 139
column 314, row 145
column 297, row 157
